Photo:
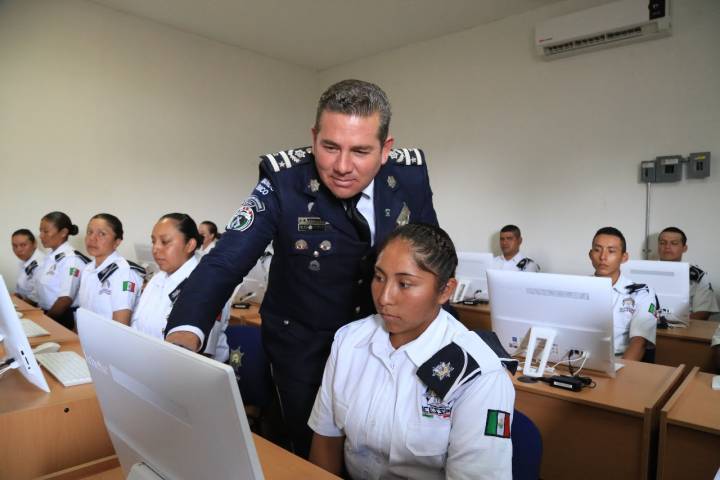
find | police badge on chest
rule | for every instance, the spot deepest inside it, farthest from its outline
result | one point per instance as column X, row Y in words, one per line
column 433, row 406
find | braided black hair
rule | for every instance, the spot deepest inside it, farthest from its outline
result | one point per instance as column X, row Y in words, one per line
column 433, row 250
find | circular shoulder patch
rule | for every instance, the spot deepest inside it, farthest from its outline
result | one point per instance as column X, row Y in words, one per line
column 242, row 220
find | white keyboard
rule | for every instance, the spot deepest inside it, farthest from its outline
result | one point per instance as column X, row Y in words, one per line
column 32, row 329
column 68, row 367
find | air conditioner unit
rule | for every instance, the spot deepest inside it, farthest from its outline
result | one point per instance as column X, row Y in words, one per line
column 609, row 25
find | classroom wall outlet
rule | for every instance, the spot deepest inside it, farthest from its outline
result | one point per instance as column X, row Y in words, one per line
column 698, row 165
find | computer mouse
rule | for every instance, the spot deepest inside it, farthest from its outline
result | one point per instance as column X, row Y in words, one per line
column 47, row 347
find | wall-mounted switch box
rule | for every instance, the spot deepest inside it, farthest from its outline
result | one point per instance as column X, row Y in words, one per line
column 668, row 168
column 647, row 171
column 698, row 165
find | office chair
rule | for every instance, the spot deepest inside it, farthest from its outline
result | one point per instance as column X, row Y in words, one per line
column 527, row 448
column 252, row 370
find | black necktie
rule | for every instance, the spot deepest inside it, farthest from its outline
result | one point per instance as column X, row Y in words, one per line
column 356, row 218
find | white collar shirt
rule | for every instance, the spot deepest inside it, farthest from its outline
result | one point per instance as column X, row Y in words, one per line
column 370, row 394
column 59, row 277
column 633, row 314
column 201, row 252
column 27, row 270
column 500, row 263
column 155, row 304
column 366, row 207
column 702, row 296
column 120, row 290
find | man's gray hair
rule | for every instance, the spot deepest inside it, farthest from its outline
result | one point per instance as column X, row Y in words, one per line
column 355, row 97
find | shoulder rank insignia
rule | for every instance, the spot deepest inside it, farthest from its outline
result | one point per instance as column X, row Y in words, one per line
column 137, row 268
column 523, row 263
column 450, row 368
column 407, row 156
column 176, row 293
column 59, row 256
column 491, row 340
column 82, row 256
column 30, row 268
column 107, row 272
column 287, row 158
column 636, row 287
column 696, row 273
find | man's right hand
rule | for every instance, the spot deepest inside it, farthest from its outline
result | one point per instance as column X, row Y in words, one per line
column 186, row 340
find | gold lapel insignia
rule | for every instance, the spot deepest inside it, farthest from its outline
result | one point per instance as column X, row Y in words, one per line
column 392, row 183
column 404, row 217
column 314, row 185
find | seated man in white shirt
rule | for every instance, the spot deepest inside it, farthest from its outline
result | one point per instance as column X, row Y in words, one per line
column 512, row 258
column 672, row 243
column 634, row 304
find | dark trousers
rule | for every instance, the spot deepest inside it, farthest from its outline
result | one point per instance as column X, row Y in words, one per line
column 296, row 401
column 66, row 319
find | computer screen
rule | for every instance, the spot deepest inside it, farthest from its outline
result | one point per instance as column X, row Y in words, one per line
column 16, row 343
column 471, row 276
column 170, row 413
column 671, row 282
column 144, row 257
column 577, row 308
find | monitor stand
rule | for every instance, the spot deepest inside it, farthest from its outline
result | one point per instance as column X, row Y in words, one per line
column 140, row 471
column 539, row 345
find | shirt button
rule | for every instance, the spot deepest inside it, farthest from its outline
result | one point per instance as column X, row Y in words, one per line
column 360, row 282
column 286, row 322
column 316, row 254
column 357, row 309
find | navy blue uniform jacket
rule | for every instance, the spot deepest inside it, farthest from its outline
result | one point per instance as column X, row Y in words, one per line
column 320, row 272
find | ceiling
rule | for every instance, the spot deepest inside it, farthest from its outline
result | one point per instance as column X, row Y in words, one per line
column 322, row 33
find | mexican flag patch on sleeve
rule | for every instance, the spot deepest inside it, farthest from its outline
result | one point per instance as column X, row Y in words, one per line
column 128, row 287
column 498, row 424
column 74, row 272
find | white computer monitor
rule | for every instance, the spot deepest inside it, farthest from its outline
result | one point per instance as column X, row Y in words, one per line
column 170, row 413
column 471, row 276
column 577, row 308
column 671, row 282
column 144, row 257
column 18, row 353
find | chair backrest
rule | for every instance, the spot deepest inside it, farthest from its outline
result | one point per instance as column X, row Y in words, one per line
column 527, row 448
column 252, row 369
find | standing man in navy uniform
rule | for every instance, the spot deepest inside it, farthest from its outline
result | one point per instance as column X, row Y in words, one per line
column 325, row 208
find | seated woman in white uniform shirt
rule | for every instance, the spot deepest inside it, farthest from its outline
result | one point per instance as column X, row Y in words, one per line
column 409, row 392
column 174, row 239
column 58, row 280
column 209, row 234
column 110, row 285
column 25, row 249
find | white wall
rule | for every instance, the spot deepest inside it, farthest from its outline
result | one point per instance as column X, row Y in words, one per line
column 102, row 111
column 555, row 147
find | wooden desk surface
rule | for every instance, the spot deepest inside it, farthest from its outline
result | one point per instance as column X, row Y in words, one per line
column 21, row 305
column 474, row 317
column 58, row 333
column 46, row 432
column 690, row 430
column 636, row 387
column 246, row 316
column 698, row 331
column 277, row 464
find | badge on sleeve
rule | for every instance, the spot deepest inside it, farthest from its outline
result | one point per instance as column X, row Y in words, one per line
column 497, row 424
column 404, row 217
column 128, row 287
column 74, row 272
column 242, row 220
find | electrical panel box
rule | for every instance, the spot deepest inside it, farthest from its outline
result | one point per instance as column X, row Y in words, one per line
column 647, row 171
column 698, row 165
column 668, row 169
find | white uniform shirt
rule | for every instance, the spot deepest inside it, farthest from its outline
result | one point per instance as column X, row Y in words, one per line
column 59, row 276
column 702, row 296
column 371, row 394
column 119, row 288
column 27, row 271
column 499, row 263
column 150, row 315
column 633, row 314
column 201, row 252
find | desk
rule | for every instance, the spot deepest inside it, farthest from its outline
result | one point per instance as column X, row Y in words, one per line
column 690, row 430
column 605, row 432
column 474, row 317
column 690, row 345
column 277, row 464
column 58, row 333
column 43, row 433
column 22, row 305
column 246, row 316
